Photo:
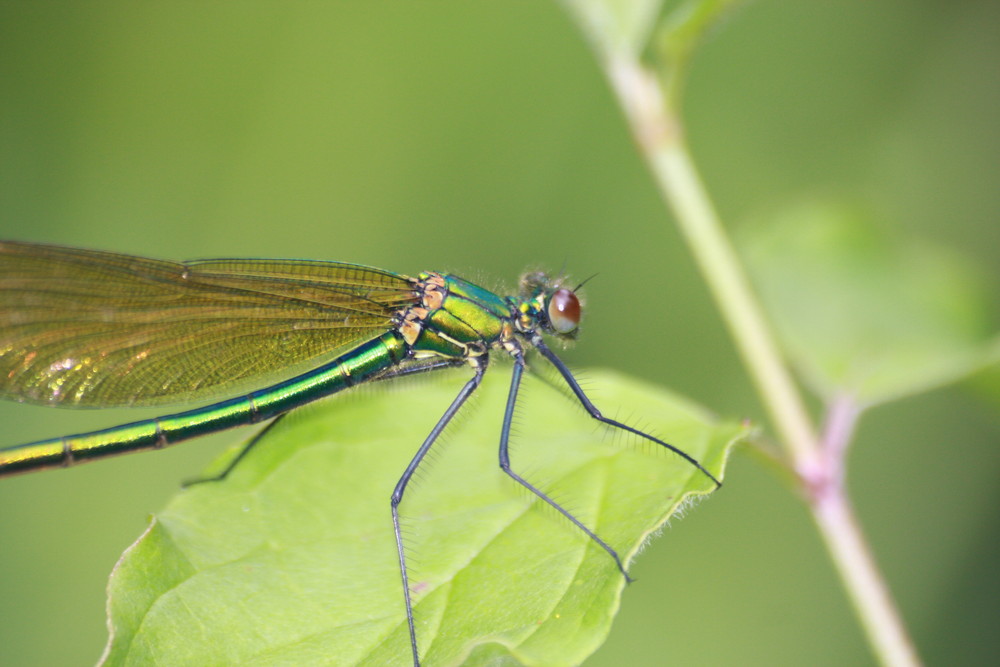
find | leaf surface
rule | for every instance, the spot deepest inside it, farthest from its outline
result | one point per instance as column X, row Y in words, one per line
column 864, row 312
column 291, row 560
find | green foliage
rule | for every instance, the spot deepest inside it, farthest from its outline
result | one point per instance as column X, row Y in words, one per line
column 422, row 136
column 625, row 27
column 616, row 26
column 291, row 560
column 863, row 312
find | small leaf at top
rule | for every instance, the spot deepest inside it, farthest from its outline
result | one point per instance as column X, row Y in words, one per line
column 291, row 559
column 616, row 27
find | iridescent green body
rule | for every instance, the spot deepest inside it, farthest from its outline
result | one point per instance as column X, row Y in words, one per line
column 83, row 328
column 358, row 365
column 451, row 319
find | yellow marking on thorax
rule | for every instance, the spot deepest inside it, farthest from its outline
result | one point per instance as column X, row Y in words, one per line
column 412, row 324
column 433, row 291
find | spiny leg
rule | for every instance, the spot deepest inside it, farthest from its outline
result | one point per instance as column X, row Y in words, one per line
column 421, row 366
column 596, row 414
column 479, row 364
column 394, row 372
column 508, row 415
column 239, row 457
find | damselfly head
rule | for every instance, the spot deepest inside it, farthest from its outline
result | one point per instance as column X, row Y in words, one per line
column 563, row 309
column 557, row 308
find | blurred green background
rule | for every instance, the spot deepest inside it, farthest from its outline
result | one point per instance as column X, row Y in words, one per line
column 480, row 138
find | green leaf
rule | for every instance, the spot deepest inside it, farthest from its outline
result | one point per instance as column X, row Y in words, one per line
column 863, row 312
column 291, row 560
column 687, row 24
column 619, row 27
column 624, row 28
column 678, row 35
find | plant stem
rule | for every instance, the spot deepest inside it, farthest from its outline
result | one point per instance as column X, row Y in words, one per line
column 834, row 516
column 659, row 136
column 658, row 131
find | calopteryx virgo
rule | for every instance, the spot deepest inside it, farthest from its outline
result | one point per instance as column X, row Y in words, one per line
column 84, row 328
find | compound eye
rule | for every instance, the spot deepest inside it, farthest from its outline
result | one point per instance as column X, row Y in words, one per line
column 564, row 311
